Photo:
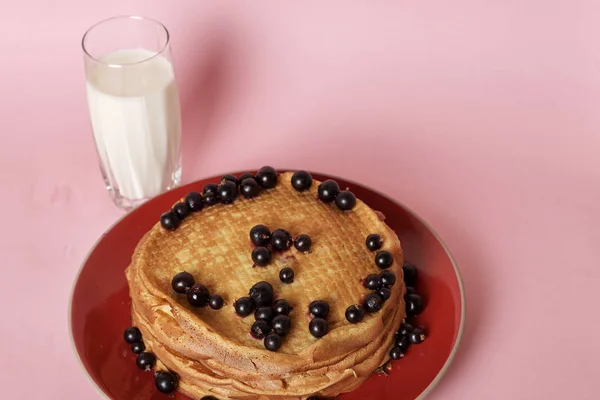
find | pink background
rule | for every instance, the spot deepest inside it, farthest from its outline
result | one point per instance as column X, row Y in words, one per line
column 482, row 116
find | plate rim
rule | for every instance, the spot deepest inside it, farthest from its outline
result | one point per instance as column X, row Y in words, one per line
column 434, row 382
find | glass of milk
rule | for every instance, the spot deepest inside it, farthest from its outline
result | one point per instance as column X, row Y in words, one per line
column 134, row 107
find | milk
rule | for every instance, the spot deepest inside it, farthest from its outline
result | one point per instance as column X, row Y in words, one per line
column 135, row 115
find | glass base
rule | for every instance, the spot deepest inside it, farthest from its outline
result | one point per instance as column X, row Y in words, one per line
column 128, row 204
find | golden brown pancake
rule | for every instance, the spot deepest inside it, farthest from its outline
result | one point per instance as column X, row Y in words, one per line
column 212, row 351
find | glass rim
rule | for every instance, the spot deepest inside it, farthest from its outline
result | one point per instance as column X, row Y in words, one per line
column 162, row 50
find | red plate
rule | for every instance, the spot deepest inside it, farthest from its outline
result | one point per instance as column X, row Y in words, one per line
column 100, row 304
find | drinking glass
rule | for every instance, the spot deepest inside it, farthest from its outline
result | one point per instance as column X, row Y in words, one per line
column 134, row 107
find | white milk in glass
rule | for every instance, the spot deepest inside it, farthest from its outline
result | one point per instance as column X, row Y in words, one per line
column 134, row 109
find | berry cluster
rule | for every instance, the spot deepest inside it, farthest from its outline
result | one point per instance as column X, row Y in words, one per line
column 407, row 334
column 165, row 381
column 279, row 240
column 329, row 191
column 318, row 310
column 380, row 284
column 197, row 294
column 272, row 321
column 383, row 259
column 225, row 192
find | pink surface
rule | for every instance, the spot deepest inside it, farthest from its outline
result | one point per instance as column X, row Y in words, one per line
column 483, row 117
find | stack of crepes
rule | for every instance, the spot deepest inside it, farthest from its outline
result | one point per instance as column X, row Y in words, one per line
column 212, row 351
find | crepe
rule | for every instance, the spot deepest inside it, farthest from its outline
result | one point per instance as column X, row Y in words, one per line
column 212, row 351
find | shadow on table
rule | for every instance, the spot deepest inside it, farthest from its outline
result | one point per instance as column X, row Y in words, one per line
column 205, row 94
